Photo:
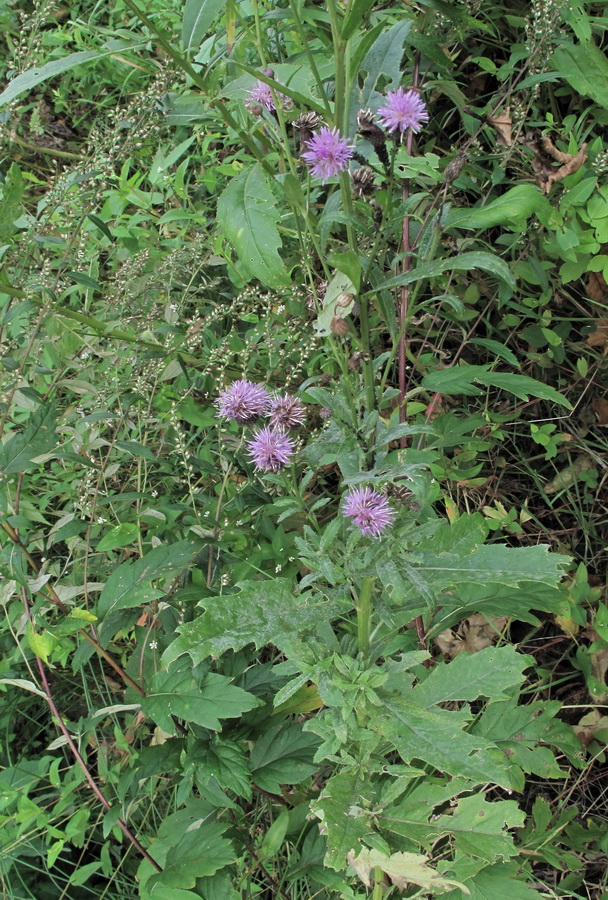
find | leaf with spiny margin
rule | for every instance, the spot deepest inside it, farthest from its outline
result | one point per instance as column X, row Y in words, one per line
column 437, row 736
column 491, row 564
column 489, row 673
column 130, row 584
column 247, row 212
column 283, row 755
column 179, row 695
column 38, row 437
column 261, row 613
column 479, row 827
column 401, row 868
column 340, row 809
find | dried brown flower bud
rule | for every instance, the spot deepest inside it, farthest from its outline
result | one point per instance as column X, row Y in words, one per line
column 373, row 133
column 338, row 326
column 454, row 168
column 363, row 181
column 306, row 124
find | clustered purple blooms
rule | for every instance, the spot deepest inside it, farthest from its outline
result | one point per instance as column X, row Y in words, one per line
column 243, row 401
column 328, row 153
column 404, row 109
column 261, row 95
column 370, row 511
column 286, row 411
column 270, row 449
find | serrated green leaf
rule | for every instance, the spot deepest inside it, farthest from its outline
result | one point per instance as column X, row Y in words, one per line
column 202, row 851
column 248, row 215
column 437, row 736
column 479, row 827
column 489, row 673
column 38, row 437
column 261, row 612
column 463, row 380
column 283, row 755
column 131, row 583
column 223, row 760
column 179, row 695
column 339, row 808
column 499, row 880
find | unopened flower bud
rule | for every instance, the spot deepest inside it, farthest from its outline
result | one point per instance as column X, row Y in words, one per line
column 344, row 299
column 373, row 133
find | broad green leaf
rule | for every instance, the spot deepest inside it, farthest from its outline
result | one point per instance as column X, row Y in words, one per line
column 436, row 736
column 489, row 673
column 585, row 68
column 178, row 694
column 339, row 808
column 479, row 827
column 32, row 77
column 121, row 536
column 517, row 731
column 37, row 438
column 261, row 612
column 514, row 206
column 248, row 215
column 499, row 880
column 10, row 203
column 283, row 755
column 401, row 868
column 131, row 583
column 492, row 564
column 223, row 760
column 340, row 284
column 464, row 380
column 199, row 16
column 382, row 58
column 475, row 259
column 202, row 851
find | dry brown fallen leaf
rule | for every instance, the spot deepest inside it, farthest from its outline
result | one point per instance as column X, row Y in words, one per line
column 569, row 475
column 592, row 726
column 473, row 634
column 599, row 337
column 600, row 408
column 502, row 122
column 546, row 154
column 596, row 287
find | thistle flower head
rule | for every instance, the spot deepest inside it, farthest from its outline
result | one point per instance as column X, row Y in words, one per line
column 260, row 95
column 242, row 401
column 328, row 153
column 404, row 109
column 286, row 411
column 370, row 511
column 270, row 449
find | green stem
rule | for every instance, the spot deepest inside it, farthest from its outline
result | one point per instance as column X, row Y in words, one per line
column 364, row 613
column 378, row 892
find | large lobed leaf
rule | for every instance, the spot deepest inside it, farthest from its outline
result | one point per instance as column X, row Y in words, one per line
column 248, row 215
column 261, row 612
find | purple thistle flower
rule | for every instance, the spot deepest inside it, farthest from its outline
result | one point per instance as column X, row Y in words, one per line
column 270, row 449
column 404, row 109
column 370, row 511
column 242, row 401
column 261, row 95
column 286, row 411
column 328, row 153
